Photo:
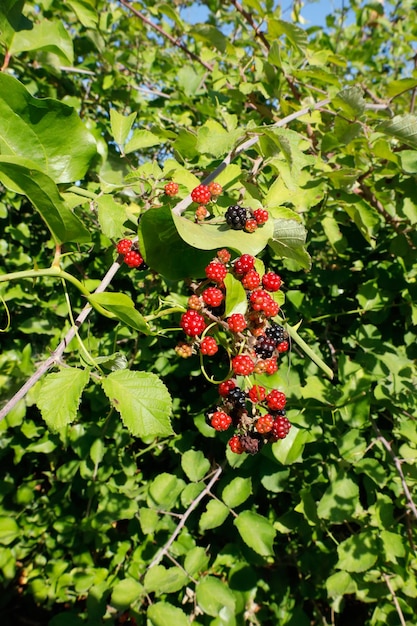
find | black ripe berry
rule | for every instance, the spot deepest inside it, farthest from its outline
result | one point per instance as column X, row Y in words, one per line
column 236, row 217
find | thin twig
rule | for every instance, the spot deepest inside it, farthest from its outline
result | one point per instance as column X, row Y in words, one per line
column 57, row 354
column 398, row 467
column 394, row 599
column 249, row 18
column 163, row 33
column 164, row 550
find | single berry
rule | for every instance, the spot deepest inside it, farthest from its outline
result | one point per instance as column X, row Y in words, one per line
column 213, row 296
column 261, row 216
column 271, row 366
column 237, row 397
column 184, row 350
column 276, row 332
column 271, row 308
column 124, row 246
column 201, row 213
column 257, row 393
column 251, row 225
column 235, row 444
column 201, row 194
column 221, row 420
column 236, row 217
column 194, row 302
column 133, row 259
column 236, row 322
column 226, row 386
column 215, row 189
column 192, row 323
column 276, row 400
column 208, row 346
column 171, row 189
column 271, row 281
column 216, row 271
column 264, row 424
column 251, row 280
column 283, row 346
column 257, row 331
column 224, row 255
column 258, row 299
column 280, row 428
column 265, row 347
column 244, row 264
column 251, row 443
column 243, row 364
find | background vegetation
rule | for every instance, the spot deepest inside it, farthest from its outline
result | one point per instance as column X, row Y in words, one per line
column 149, row 519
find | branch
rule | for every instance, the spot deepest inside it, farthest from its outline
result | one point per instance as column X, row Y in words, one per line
column 398, row 467
column 249, row 18
column 394, row 599
column 57, row 354
column 170, row 38
column 164, row 550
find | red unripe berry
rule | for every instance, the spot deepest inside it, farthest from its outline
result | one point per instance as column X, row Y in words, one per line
column 221, row 420
column 257, row 393
column 208, row 346
column 251, row 225
column 226, row 386
column 244, row 263
column 236, row 322
column 194, row 302
column 171, row 189
column 124, row 246
column 258, row 299
column 215, row 189
column 133, row 259
column 224, row 255
column 242, row 364
column 213, row 296
column 201, row 194
column 283, row 346
column 271, row 281
column 251, row 280
column 264, row 424
column 276, row 400
column 280, row 428
column 216, row 271
column 192, row 323
column 236, row 445
column 261, row 216
column 271, row 366
column 201, row 213
column 271, row 308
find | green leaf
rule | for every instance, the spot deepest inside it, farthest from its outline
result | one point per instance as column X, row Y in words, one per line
column 213, row 139
column 340, row 501
column 142, row 400
column 121, row 125
column 45, row 35
column 195, row 464
column 142, row 139
column 396, row 87
column 165, row 580
column 408, row 161
column 358, row 553
column 125, row 593
column 122, row 307
column 256, row 531
column 401, row 127
column 350, row 101
column 45, row 131
column 86, row 14
column 9, row 530
column 290, row 450
column 296, row 36
column 196, row 561
column 215, row 514
column 340, row 584
column 60, row 396
column 23, row 177
column 236, row 298
column 163, row 613
column 237, row 491
column 12, row 20
column 211, row 35
column 213, row 595
column 111, row 216
column 288, row 241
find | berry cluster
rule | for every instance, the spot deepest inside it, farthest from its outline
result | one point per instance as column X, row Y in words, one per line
column 131, row 257
column 254, row 342
column 240, row 218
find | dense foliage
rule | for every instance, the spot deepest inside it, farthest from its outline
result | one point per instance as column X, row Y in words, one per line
column 119, row 502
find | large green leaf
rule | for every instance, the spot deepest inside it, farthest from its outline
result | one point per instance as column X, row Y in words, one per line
column 163, row 613
column 256, row 531
column 60, row 396
column 142, row 400
column 46, row 131
column 125, row 592
column 288, row 241
column 123, row 308
column 45, row 35
column 402, row 127
column 22, row 176
column 213, row 596
column 359, row 552
column 11, row 20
